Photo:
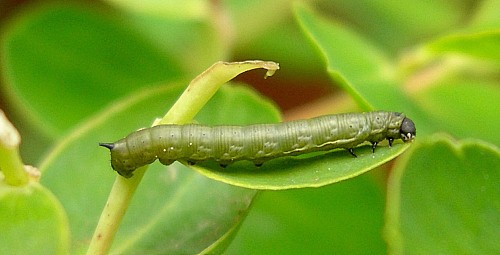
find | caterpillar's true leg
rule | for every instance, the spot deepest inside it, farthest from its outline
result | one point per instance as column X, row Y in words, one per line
column 374, row 145
column 350, row 150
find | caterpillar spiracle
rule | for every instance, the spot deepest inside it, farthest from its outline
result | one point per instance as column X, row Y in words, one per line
column 258, row 143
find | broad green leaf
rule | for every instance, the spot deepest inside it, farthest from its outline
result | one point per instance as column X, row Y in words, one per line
column 443, row 199
column 483, row 45
column 397, row 24
column 32, row 221
column 58, row 56
column 175, row 210
column 345, row 218
column 310, row 170
column 464, row 108
column 350, row 59
column 360, row 68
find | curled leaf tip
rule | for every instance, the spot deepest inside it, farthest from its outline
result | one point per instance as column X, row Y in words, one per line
column 270, row 72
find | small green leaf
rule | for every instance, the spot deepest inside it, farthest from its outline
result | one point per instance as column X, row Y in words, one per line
column 443, row 199
column 310, row 170
column 32, row 221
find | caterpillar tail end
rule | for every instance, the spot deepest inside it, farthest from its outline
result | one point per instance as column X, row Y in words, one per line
column 110, row 146
column 127, row 173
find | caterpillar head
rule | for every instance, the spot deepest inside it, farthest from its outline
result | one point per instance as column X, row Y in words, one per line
column 407, row 130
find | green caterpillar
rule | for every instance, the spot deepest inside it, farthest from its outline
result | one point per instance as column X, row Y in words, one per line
column 257, row 143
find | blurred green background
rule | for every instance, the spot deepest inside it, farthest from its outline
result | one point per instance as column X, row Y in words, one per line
column 64, row 66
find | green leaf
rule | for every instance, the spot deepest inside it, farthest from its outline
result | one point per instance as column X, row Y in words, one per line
column 32, row 221
column 310, row 170
column 350, row 60
column 345, row 218
column 59, row 55
column 443, row 198
column 398, row 24
column 446, row 102
column 360, row 68
column 483, row 45
column 175, row 210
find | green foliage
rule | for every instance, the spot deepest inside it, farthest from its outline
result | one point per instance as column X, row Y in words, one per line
column 310, row 170
column 32, row 221
column 443, row 198
column 94, row 74
column 68, row 52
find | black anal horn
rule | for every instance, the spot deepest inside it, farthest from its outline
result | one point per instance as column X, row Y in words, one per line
column 107, row 145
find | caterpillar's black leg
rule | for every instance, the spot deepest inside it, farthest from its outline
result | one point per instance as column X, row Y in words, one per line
column 223, row 165
column 191, row 163
column 374, row 145
column 390, row 141
column 350, row 150
column 258, row 164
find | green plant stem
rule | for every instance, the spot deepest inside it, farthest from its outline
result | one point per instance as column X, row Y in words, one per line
column 12, row 167
column 10, row 161
column 196, row 95
column 119, row 198
column 204, row 86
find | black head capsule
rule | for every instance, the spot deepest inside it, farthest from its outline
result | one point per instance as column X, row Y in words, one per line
column 407, row 130
column 110, row 146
